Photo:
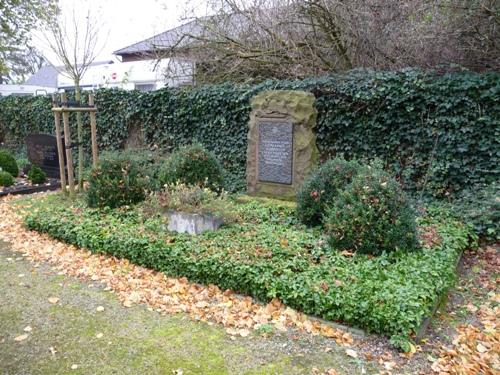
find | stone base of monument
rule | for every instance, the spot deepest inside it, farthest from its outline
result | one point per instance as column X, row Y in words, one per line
column 184, row 222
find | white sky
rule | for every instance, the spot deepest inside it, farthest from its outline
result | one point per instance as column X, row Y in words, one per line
column 125, row 22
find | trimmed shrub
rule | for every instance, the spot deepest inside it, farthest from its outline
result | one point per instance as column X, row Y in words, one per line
column 6, row 179
column 8, row 163
column 192, row 165
column 371, row 215
column 115, row 183
column 147, row 161
column 36, row 175
column 321, row 188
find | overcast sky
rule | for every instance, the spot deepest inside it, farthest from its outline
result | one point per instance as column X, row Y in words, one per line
column 128, row 21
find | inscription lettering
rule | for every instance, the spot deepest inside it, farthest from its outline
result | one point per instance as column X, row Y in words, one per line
column 275, row 152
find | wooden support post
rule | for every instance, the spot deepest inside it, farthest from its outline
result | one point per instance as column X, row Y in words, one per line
column 67, row 141
column 93, row 131
column 60, row 151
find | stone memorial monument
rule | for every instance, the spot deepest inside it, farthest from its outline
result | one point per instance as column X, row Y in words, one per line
column 281, row 142
column 42, row 151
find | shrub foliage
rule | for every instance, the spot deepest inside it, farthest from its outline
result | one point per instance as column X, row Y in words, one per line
column 115, row 183
column 435, row 132
column 192, row 165
column 321, row 188
column 6, row 179
column 8, row 163
column 371, row 215
column 36, row 175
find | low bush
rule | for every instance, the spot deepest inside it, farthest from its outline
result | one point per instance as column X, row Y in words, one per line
column 480, row 206
column 267, row 257
column 8, row 163
column 371, row 215
column 321, row 188
column 6, row 179
column 36, row 175
column 192, row 165
column 115, row 183
column 147, row 161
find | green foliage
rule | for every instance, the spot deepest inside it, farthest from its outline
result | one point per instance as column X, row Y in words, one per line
column 436, row 133
column 115, row 183
column 36, row 175
column 192, row 165
column 321, row 188
column 8, row 163
column 371, row 215
column 480, row 206
column 267, row 256
column 147, row 161
column 6, row 179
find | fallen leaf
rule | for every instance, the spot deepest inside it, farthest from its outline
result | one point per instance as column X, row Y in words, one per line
column 52, row 350
column 351, row 353
column 21, row 338
column 53, row 300
column 99, row 335
column 99, row 308
column 244, row 332
column 74, row 367
column 27, row 329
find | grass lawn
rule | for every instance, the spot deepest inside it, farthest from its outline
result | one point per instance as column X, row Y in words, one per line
column 268, row 254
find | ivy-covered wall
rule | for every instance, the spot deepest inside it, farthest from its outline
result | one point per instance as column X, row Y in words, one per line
column 437, row 133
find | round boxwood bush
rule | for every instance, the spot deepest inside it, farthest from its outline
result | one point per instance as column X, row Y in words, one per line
column 321, row 188
column 192, row 165
column 115, row 183
column 36, row 175
column 6, row 178
column 8, row 163
column 371, row 215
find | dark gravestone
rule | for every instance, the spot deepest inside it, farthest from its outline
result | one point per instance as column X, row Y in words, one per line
column 42, row 151
column 275, row 152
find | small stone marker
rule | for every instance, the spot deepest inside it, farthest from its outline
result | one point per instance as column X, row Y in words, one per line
column 281, row 143
column 42, row 151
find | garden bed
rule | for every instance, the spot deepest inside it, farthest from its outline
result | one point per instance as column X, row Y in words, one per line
column 23, row 186
column 267, row 254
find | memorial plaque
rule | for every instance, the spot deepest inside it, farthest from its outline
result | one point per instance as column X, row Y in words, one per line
column 275, row 152
column 42, row 151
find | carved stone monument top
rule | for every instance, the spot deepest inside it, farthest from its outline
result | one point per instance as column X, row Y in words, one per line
column 281, row 144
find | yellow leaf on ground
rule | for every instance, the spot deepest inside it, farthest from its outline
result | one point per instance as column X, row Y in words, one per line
column 21, row 338
column 53, row 300
column 99, row 308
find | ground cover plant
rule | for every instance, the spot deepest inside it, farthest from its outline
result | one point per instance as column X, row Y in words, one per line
column 270, row 254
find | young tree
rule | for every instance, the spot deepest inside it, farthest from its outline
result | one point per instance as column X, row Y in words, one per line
column 75, row 42
column 17, row 19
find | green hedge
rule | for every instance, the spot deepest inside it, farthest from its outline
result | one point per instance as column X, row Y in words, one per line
column 390, row 294
column 435, row 132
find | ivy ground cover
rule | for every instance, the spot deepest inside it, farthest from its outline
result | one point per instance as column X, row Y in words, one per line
column 267, row 254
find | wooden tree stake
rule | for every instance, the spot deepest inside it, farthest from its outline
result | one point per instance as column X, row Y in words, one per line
column 93, row 130
column 69, row 156
column 60, row 152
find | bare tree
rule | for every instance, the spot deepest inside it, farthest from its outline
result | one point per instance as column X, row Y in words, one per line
column 75, row 42
column 258, row 39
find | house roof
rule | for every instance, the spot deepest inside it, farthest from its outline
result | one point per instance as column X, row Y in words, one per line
column 46, row 76
column 167, row 39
